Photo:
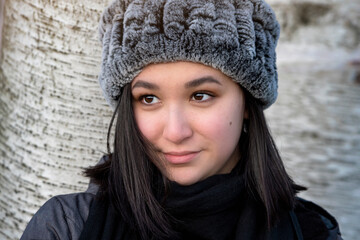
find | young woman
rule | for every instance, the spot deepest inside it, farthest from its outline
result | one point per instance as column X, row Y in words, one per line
column 192, row 156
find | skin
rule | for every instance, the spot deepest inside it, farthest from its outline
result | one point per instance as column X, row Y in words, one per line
column 193, row 115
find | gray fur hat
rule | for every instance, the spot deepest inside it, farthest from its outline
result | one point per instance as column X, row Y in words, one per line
column 238, row 37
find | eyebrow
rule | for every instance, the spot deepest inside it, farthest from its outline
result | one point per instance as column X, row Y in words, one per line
column 200, row 81
column 147, row 85
column 191, row 84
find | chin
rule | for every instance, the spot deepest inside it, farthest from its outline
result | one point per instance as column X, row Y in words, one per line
column 185, row 182
column 185, row 179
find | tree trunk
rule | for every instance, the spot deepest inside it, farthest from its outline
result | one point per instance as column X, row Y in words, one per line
column 2, row 4
column 53, row 117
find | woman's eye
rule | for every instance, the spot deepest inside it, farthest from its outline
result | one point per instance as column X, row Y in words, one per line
column 149, row 99
column 201, row 96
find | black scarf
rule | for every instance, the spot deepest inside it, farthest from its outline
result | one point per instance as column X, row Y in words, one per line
column 216, row 208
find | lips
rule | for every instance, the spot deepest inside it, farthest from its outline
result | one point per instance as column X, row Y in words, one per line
column 180, row 157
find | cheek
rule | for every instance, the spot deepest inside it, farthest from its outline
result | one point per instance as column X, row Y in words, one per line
column 147, row 124
column 223, row 127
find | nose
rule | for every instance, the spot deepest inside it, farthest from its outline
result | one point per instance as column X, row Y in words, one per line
column 177, row 126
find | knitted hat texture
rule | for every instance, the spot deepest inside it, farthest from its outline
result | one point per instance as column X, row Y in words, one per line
column 237, row 37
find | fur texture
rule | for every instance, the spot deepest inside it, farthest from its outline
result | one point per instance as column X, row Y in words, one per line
column 238, row 37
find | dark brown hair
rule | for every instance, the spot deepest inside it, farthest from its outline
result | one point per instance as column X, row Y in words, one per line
column 129, row 177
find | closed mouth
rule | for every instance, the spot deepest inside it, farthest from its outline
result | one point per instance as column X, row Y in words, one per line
column 180, row 157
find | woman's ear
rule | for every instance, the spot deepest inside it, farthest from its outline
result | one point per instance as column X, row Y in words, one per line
column 246, row 113
column 246, row 97
column 246, row 110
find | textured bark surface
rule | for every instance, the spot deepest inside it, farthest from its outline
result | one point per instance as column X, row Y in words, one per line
column 2, row 4
column 333, row 23
column 53, row 118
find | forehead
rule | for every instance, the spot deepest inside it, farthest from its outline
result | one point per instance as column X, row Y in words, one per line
column 178, row 73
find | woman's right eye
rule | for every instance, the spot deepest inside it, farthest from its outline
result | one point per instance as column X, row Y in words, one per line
column 149, row 99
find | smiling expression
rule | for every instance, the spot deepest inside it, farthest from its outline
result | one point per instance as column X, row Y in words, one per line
column 193, row 115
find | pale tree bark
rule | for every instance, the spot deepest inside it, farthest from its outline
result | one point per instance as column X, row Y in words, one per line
column 2, row 3
column 53, row 118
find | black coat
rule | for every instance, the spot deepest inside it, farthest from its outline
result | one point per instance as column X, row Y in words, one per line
column 65, row 216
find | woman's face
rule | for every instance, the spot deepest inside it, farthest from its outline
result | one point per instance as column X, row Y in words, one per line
column 193, row 115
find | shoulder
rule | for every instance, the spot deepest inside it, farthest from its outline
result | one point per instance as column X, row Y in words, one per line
column 315, row 222
column 61, row 217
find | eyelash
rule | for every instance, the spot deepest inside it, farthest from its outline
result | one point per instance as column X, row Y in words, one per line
column 143, row 97
column 210, row 96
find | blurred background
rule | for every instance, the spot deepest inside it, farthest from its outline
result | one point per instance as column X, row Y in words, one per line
column 53, row 118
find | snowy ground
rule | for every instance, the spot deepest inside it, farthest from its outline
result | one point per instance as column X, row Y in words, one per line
column 316, row 124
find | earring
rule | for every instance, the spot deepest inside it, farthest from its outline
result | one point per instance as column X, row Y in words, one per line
column 245, row 127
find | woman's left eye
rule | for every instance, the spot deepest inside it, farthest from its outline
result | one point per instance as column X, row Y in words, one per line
column 201, row 97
